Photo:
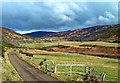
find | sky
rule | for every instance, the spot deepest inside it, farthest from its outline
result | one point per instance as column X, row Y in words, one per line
column 25, row 17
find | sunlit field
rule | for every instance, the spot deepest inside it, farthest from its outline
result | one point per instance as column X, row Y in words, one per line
column 100, row 64
column 73, row 44
column 107, row 65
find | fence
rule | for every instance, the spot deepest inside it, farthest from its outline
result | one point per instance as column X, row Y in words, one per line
column 87, row 71
column 70, row 68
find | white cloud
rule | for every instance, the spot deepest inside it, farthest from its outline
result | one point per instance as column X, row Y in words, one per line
column 107, row 18
column 78, row 7
column 104, row 19
column 109, row 15
column 66, row 18
column 89, row 22
column 56, row 16
column 62, row 12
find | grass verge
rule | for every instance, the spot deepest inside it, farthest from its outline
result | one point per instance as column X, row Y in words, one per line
column 8, row 71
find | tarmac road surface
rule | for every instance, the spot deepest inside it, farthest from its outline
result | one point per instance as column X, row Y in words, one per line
column 28, row 72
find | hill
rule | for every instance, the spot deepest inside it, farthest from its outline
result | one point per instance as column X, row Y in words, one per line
column 10, row 38
column 8, row 33
column 103, row 32
column 111, row 33
column 38, row 34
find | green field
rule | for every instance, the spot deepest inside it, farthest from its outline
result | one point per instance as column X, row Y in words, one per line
column 100, row 64
column 73, row 44
column 110, row 66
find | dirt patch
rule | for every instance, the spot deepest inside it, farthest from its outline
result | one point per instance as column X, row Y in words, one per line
column 34, row 51
column 96, row 51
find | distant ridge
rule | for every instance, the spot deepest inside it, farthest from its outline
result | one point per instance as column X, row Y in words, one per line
column 101, row 32
column 38, row 34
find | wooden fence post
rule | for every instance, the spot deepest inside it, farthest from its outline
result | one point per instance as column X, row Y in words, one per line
column 87, row 70
column 102, row 76
column 93, row 71
column 70, row 70
column 55, row 69
column 46, row 67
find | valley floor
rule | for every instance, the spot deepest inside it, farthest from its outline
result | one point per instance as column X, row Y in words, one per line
column 100, row 64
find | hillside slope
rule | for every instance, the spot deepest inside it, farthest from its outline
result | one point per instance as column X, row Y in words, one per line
column 110, row 34
column 102, row 32
column 38, row 34
column 8, row 33
column 10, row 38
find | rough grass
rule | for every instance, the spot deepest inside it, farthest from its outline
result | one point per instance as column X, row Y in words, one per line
column 8, row 71
column 0, row 68
column 110, row 66
column 73, row 44
column 100, row 64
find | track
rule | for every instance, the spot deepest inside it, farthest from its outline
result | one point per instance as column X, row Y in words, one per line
column 28, row 72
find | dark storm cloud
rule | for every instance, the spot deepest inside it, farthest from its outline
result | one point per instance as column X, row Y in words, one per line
column 57, row 16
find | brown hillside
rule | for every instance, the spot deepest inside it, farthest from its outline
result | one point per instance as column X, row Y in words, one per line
column 7, row 33
column 92, row 33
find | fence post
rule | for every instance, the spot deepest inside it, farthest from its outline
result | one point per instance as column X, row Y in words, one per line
column 93, row 71
column 46, row 67
column 70, row 70
column 87, row 70
column 55, row 69
column 102, row 76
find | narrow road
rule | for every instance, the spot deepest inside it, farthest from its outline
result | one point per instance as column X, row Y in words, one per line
column 26, row 71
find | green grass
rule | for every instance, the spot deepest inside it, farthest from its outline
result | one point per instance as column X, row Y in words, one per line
column 110, row 66
column 38, row 45
column 100, row 64
column 73, row 44
column 5, row 44
column 8, row 71
column 0, row 69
